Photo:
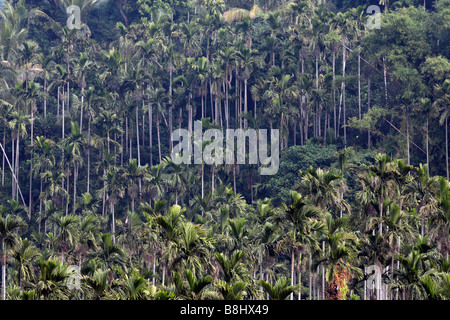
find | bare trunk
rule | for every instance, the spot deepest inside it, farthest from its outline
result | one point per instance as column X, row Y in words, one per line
column 137, row 137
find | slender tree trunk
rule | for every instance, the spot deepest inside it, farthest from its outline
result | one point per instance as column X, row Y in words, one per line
column 300, row 276
column 446, row 147
column 75, row 178
column 385, row 82
column 3, row 156
column 334, row 94
column 368, row 108
column 310, row 276
column 45, row 98
column 81, row 109
column 137, row 137
column 89, row 155
column 407, row 139
column 170, row 108
column 159, row 137
column 359, row 83
column 245, row 102
column 428, row 154
column 150, row 134
column 343, row 95
column 113, row 224
column 13, row 169
column 17, row 167
column 154, row 269
column 292, row 271
column 3, row 270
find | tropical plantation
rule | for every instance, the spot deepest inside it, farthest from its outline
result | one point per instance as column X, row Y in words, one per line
column 94, row 207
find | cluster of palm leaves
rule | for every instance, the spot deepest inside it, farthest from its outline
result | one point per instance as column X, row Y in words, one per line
column 89, row 194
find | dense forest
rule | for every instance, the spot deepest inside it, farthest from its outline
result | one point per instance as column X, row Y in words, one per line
column 92, row 205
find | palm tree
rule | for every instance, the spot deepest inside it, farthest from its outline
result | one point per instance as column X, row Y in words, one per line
column 53, row 276
column 232, row 266
column 338, row 258
column 18, row 125
column 442, row 102
column 280, row 290
column 24, row 254
column 323, row 188
column 74, row 146
column 98, row 283
column 301, row 219
column 66, row 226
column 113, row 189
column 441, row 218
column 134, row 173
column 9, row 227
column 422, row 189
column 109, row 254
column 193, row 288
column 88, row 235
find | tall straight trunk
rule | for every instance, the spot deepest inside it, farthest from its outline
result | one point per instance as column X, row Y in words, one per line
column 40, row 208
column 170, row 108
column 292, row 271
column 428, row 155
column 30, row 199
column 63, row 121
column 89, row 155
column 234, row 177
column 113, row 224
column 212, row 179
column 245, row 102
column 57, row 108
column 31, row 164
column 407, row 139
column 446, row 147
column 17, row 167
column 137, row 137
column 236, row 102
column 3, row 271
column 68, row 195
column 306, row 125
column 13, row 168
column 75, row 178
column 150, row 133
column 3, row 155
column 227, row 106
column 203, row 181
column 343, row 95
column 154, row 269
column 368, row 108
column 143, row 126
column 163, row 274
column 385, row 82
column 359, row 84
column 380, row 206
column 81, row 108
column 126, row 135
column 211, row 99
column 323, row 274
column 299, row 277
column 159, row 137
column 68, row 96
column 310, row 276
column 334, row 94
column 45, row 97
